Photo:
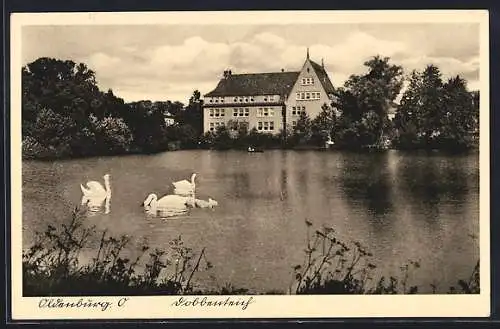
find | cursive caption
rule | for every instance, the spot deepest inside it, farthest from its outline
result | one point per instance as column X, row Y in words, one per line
column 213, row 302
column 82, row 303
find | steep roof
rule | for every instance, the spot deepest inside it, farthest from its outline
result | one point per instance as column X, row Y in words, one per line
column 323, row 77
column 279, row 83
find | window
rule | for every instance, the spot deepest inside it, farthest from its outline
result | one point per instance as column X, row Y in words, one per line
column 271, row 125
column 216, row 100
column 246, row 100
column 265, row 98
column 302, row 96
column 210, row 100
column 307, row 81
column 271, row 112
column 271, row 98
column 259, row 125
column 294, row 124
column 247, row 112
column 298, row 96
column 235, row 99
column 241, row 99
column 235, row 112
column 308, row 95
column 266, row 112
column 222, row 112
column 211, row 112
column 216, row 112
column 241, row 112
column 251, row 99
column 266, row 125
column 260, row 112
column 211, row 126
column 222, row 99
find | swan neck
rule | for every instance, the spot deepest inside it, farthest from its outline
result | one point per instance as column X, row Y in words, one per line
column 107, row 185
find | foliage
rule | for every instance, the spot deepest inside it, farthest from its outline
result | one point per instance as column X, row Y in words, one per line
column 438, row 115
column 364, row 102
column 65, row 114
column 52, row 265
column 332, row 266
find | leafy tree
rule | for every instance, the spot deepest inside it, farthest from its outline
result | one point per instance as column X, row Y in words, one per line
column 364, row 102
column 458, row 122
column 302, row 132
column 324, row 125
column 192, row 115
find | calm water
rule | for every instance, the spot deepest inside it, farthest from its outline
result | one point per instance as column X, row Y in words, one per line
column 401, row 206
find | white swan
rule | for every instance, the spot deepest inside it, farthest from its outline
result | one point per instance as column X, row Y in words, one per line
column 206, row 204
column 168, row 201
column 95, row 189
column 185, row 187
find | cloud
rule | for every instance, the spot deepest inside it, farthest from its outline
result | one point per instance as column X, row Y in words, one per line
column 160, row 63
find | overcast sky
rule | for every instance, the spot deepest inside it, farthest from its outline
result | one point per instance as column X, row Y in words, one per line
column 169, row 62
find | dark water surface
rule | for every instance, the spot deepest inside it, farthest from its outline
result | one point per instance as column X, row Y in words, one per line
column 400, row 205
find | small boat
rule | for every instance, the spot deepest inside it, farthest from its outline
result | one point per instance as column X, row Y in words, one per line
column 254, row 149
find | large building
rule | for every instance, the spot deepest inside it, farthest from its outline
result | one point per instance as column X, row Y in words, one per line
column 267, row 101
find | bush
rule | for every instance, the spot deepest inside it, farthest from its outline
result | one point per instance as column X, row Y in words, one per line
column 52, row 265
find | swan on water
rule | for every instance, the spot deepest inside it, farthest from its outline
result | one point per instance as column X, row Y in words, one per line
column 184, row 186
column 95, row 189
column 168, row 201
column 206, row 204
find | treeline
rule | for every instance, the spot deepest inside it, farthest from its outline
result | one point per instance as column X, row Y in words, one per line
column 64, row 114
column 432, row 114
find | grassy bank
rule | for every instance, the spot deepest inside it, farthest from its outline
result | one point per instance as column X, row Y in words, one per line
column 52, row 266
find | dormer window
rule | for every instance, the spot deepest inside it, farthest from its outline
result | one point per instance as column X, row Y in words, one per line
column 235, row 99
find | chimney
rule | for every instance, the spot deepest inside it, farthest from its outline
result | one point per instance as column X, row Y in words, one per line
column 227, row 74
column 282, row 70
column 322, row 63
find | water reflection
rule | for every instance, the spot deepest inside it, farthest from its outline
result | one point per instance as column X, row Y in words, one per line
column 95, row 205
column 432, row 184
column 164, row 213
column 367, row 181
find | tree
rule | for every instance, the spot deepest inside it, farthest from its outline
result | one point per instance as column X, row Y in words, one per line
column 324, row 125
column 431, row 103
column 303, row 130
column 193, row 115
column 364, row 102
column 458, row 122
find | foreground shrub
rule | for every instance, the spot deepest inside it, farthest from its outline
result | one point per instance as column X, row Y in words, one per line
column 332, row 266
column 52, row 265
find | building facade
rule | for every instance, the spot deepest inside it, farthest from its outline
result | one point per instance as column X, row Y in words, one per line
column 268, row 102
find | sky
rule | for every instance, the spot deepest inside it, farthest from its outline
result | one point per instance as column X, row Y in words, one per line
column 168, row 62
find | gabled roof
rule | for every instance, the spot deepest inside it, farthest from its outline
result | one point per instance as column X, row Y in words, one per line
column 323, row 77
column 279, row 83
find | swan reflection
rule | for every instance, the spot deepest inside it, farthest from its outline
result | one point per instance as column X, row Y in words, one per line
column 96, row 205
column 164, row 212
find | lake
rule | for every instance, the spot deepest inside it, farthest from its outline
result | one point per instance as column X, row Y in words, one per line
column 401, row 206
